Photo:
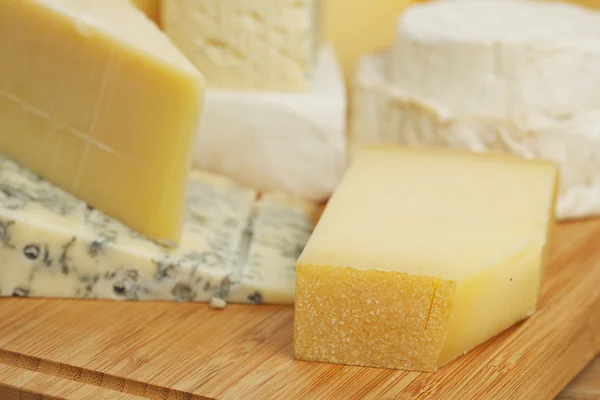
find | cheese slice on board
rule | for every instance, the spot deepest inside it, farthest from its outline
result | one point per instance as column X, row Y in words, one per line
column 525, row 95
column 54, row 245
column 246, row 44
column 289, row 142
column 97, row 100
column 421, row 255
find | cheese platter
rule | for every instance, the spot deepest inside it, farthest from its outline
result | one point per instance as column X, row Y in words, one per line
column 163, row 350
column 163, row 172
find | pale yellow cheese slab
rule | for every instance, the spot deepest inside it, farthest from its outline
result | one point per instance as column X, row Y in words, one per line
column 95, row 98
column 421, row 255
column 360, row 27
column 150, row 7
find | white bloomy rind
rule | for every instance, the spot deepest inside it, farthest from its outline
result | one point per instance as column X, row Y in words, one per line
column 289, row 142
column 457, row 78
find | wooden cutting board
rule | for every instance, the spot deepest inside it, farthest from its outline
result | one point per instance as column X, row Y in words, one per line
column 77, row 349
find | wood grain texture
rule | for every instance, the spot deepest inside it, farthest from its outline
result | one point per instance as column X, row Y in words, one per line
column 586, row 386
column 22, row 384
column 187, row 351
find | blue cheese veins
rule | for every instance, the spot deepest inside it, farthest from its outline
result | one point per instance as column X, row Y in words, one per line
column 280, row 230
column 54, row 245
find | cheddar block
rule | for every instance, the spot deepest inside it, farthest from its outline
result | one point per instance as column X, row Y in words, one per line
column 94, row 98
column 421, row 255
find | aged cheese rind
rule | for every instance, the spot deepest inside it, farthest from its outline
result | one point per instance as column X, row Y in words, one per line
column 246, row 44
column 384, row 113
column 421, row 255
column 53, row 245
column 293, row 142
column 97, row 100
column 376, row 318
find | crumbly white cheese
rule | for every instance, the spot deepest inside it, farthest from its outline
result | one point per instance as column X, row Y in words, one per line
column 458, row 78
column 290, row 142
column 246, row 44
column 53, row 245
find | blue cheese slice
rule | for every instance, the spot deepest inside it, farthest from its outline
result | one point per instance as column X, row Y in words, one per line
column 54, row 245
column 279, row 232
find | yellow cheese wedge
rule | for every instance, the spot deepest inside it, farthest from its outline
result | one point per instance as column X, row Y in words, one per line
column 586, row 3
column 150, row 7
column 95, row 98
column 360, row 27
column 421, row 255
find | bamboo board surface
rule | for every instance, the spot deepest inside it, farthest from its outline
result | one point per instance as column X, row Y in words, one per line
column 586, row 386
column 104, row 349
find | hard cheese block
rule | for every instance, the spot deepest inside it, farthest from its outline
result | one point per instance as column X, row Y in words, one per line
column 473, row 84
column 292, row 142
column 97, row 100
column 246, row 44
column 150, row 7
column 53, row 245
column 421, row 255
column 358, row 27
column 587, row 3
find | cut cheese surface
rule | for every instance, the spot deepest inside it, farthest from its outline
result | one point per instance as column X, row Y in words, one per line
column 252, row 45
column 421, row 255
column 293, row 142
column 96, row 99
column 54, row 245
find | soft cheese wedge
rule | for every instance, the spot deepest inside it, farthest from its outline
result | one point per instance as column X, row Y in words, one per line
column 421, row 255
column 54, row 245
column 293, row 142
column 96, row 99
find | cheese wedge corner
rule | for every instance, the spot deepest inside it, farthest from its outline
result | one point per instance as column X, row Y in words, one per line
column 421, row 255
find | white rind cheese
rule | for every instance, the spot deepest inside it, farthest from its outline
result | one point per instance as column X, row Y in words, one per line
column 500, row 58
column 259, row 45
column 289, row 142
column 53, row 245
column 503, row 98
